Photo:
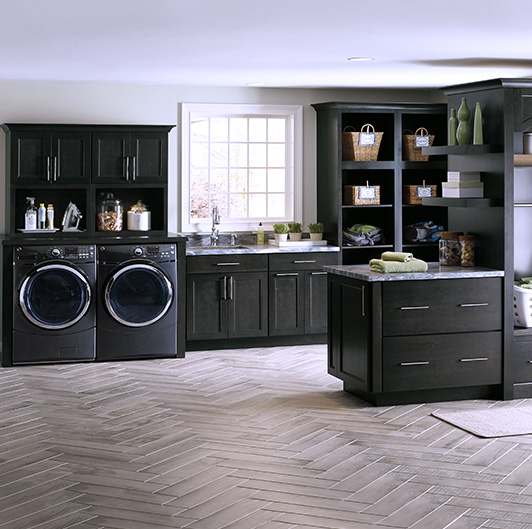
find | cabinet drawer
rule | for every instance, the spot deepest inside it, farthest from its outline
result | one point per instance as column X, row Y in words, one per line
column 445, row 305
column 522, row 360
column 302, row 261
column 226, row 263
column 442, row 361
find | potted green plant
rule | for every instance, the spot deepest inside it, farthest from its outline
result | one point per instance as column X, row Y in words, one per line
column 294, row 231
column 316, row 231
column 280, row 232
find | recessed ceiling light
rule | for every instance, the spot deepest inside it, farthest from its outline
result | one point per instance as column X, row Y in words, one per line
column 255, row 84
column 360, row 59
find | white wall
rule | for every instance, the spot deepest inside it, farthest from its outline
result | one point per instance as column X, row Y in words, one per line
column 50, row 102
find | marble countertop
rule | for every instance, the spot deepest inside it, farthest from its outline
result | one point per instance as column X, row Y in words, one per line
column 255, row 249
column 435, row 271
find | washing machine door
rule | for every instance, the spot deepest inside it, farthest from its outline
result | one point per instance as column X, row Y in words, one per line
column 55, row 296
column 138, row 294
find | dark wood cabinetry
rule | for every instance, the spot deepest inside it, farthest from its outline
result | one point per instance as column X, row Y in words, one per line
column 227, row 297
column 58, row 164
column 416, row 341
column 390, row 171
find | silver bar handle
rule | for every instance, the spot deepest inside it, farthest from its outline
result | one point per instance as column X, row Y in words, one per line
column 56, row 163
column 231, row 287
column 420, row 307
column 414, row 363
column 287, row 274
column 223, row 287
column 302, row 262
column 134, row 174
column 227, row 264
column 318, row 273
column 529, row 361
column 127, row 168
column 479, row 359
column 363, row 300
column 474, row 304
column 48, row 171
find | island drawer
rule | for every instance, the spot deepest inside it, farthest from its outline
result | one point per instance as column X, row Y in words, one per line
column 226, row 263
column 442, row 361
column 522, row 359
column 302, row 260
column 441, row 306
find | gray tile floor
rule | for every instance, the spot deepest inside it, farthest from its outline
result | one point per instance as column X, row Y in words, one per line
column 242, row 439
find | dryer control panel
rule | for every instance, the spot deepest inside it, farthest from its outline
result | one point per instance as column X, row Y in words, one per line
column 153, row 252
column 71, row 253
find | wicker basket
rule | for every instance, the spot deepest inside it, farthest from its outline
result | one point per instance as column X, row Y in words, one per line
column 411, row 195
column 355, row 196
column 351, row 150
column 410, row 152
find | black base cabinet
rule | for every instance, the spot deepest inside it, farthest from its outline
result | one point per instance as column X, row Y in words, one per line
column 402, row 342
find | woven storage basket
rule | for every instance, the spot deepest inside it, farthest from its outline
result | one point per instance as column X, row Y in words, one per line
column 410, row 194
column 352, row 196
column 410, row 153
column 351, row 150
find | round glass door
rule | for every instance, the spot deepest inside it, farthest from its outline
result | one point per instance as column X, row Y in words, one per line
column 138, row 295
column 55, row 296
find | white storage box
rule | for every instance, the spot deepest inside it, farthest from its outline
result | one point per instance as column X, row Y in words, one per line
column 522, row 307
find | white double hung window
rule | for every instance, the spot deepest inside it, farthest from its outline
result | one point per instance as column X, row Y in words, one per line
column 245, row 159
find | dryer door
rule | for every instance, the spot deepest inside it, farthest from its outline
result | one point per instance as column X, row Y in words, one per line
column 55, row 296
column 138, row 294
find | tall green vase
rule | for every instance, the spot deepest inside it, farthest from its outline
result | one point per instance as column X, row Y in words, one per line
column 464, row 132
column 478, row 135
column 453, row 124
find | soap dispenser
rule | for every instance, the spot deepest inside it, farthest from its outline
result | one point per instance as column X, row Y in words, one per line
column 30, row 218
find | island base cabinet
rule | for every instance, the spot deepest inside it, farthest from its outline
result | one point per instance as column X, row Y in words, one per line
column 441, row 361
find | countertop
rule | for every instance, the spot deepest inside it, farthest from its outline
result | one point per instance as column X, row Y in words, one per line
column 255, row 249
column 435, row 271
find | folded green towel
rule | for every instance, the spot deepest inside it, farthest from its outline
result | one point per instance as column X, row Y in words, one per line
column 401, row 257
column 395, row 267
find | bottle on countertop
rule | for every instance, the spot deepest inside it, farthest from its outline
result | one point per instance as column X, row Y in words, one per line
column 50, row 217
column 30, row 218
column 260, row 234
column 41, row 217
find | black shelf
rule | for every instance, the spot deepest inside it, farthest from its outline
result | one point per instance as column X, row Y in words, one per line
column 462, row 149
column 462, row 202
column 362, row 206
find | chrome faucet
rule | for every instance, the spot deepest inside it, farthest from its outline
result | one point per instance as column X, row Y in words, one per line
column 215, row 223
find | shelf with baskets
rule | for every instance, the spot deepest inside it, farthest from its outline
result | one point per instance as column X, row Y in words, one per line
column 345, row 173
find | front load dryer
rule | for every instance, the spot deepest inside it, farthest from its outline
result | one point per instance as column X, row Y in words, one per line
column 54, row 309
column 137, row 301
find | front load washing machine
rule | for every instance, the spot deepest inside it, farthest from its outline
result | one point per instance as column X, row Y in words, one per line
column 137, row 301
column 54, row 309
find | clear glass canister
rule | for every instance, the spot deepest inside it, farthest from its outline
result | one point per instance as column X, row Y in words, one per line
column 450, row 248
column 467, row 250
column 110, row 213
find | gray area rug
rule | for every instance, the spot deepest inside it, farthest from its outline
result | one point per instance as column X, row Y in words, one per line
column 491, row 422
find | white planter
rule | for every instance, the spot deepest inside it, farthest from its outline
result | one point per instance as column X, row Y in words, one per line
column 316, row 236
column 280, row 237
column 294, row 236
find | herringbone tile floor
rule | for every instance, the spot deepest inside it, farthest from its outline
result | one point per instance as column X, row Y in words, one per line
column 243, row 439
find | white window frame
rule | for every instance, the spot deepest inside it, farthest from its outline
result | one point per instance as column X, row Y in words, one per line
column 294, row 193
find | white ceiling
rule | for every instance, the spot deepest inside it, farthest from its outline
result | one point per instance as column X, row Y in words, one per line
column 278, row 43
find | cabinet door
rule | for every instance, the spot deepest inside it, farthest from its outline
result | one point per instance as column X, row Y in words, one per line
column 206, row 306
column 286, row 303
column 70, row 157
column 315, row 302
column 30, row 157
column 149, row 152
column 111, row 160
column 247, row 295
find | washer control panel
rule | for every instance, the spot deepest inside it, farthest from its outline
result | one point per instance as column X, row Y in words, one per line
column 151, row 252
column 71, row 253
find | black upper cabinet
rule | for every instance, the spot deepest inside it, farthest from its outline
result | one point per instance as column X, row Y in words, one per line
column 136, row 157
column 56, row 157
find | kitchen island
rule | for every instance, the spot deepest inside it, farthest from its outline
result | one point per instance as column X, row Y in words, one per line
column 417, row 337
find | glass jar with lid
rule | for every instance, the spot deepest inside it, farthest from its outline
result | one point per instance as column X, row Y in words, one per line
column 467, row 250
column 450, row 248
column 110, row 213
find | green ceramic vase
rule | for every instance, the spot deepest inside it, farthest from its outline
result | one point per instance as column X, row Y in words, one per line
column 478, row 135
column 463, row 132
column 453, row 124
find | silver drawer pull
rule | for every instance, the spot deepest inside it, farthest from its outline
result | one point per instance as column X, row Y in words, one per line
column 529, row 361
column 227, row 264
column 287, row 274
column 414, row 363
column 480, row 359
column 300, row 262
column 421, row 307
column 474, row 304
column 318, row 273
